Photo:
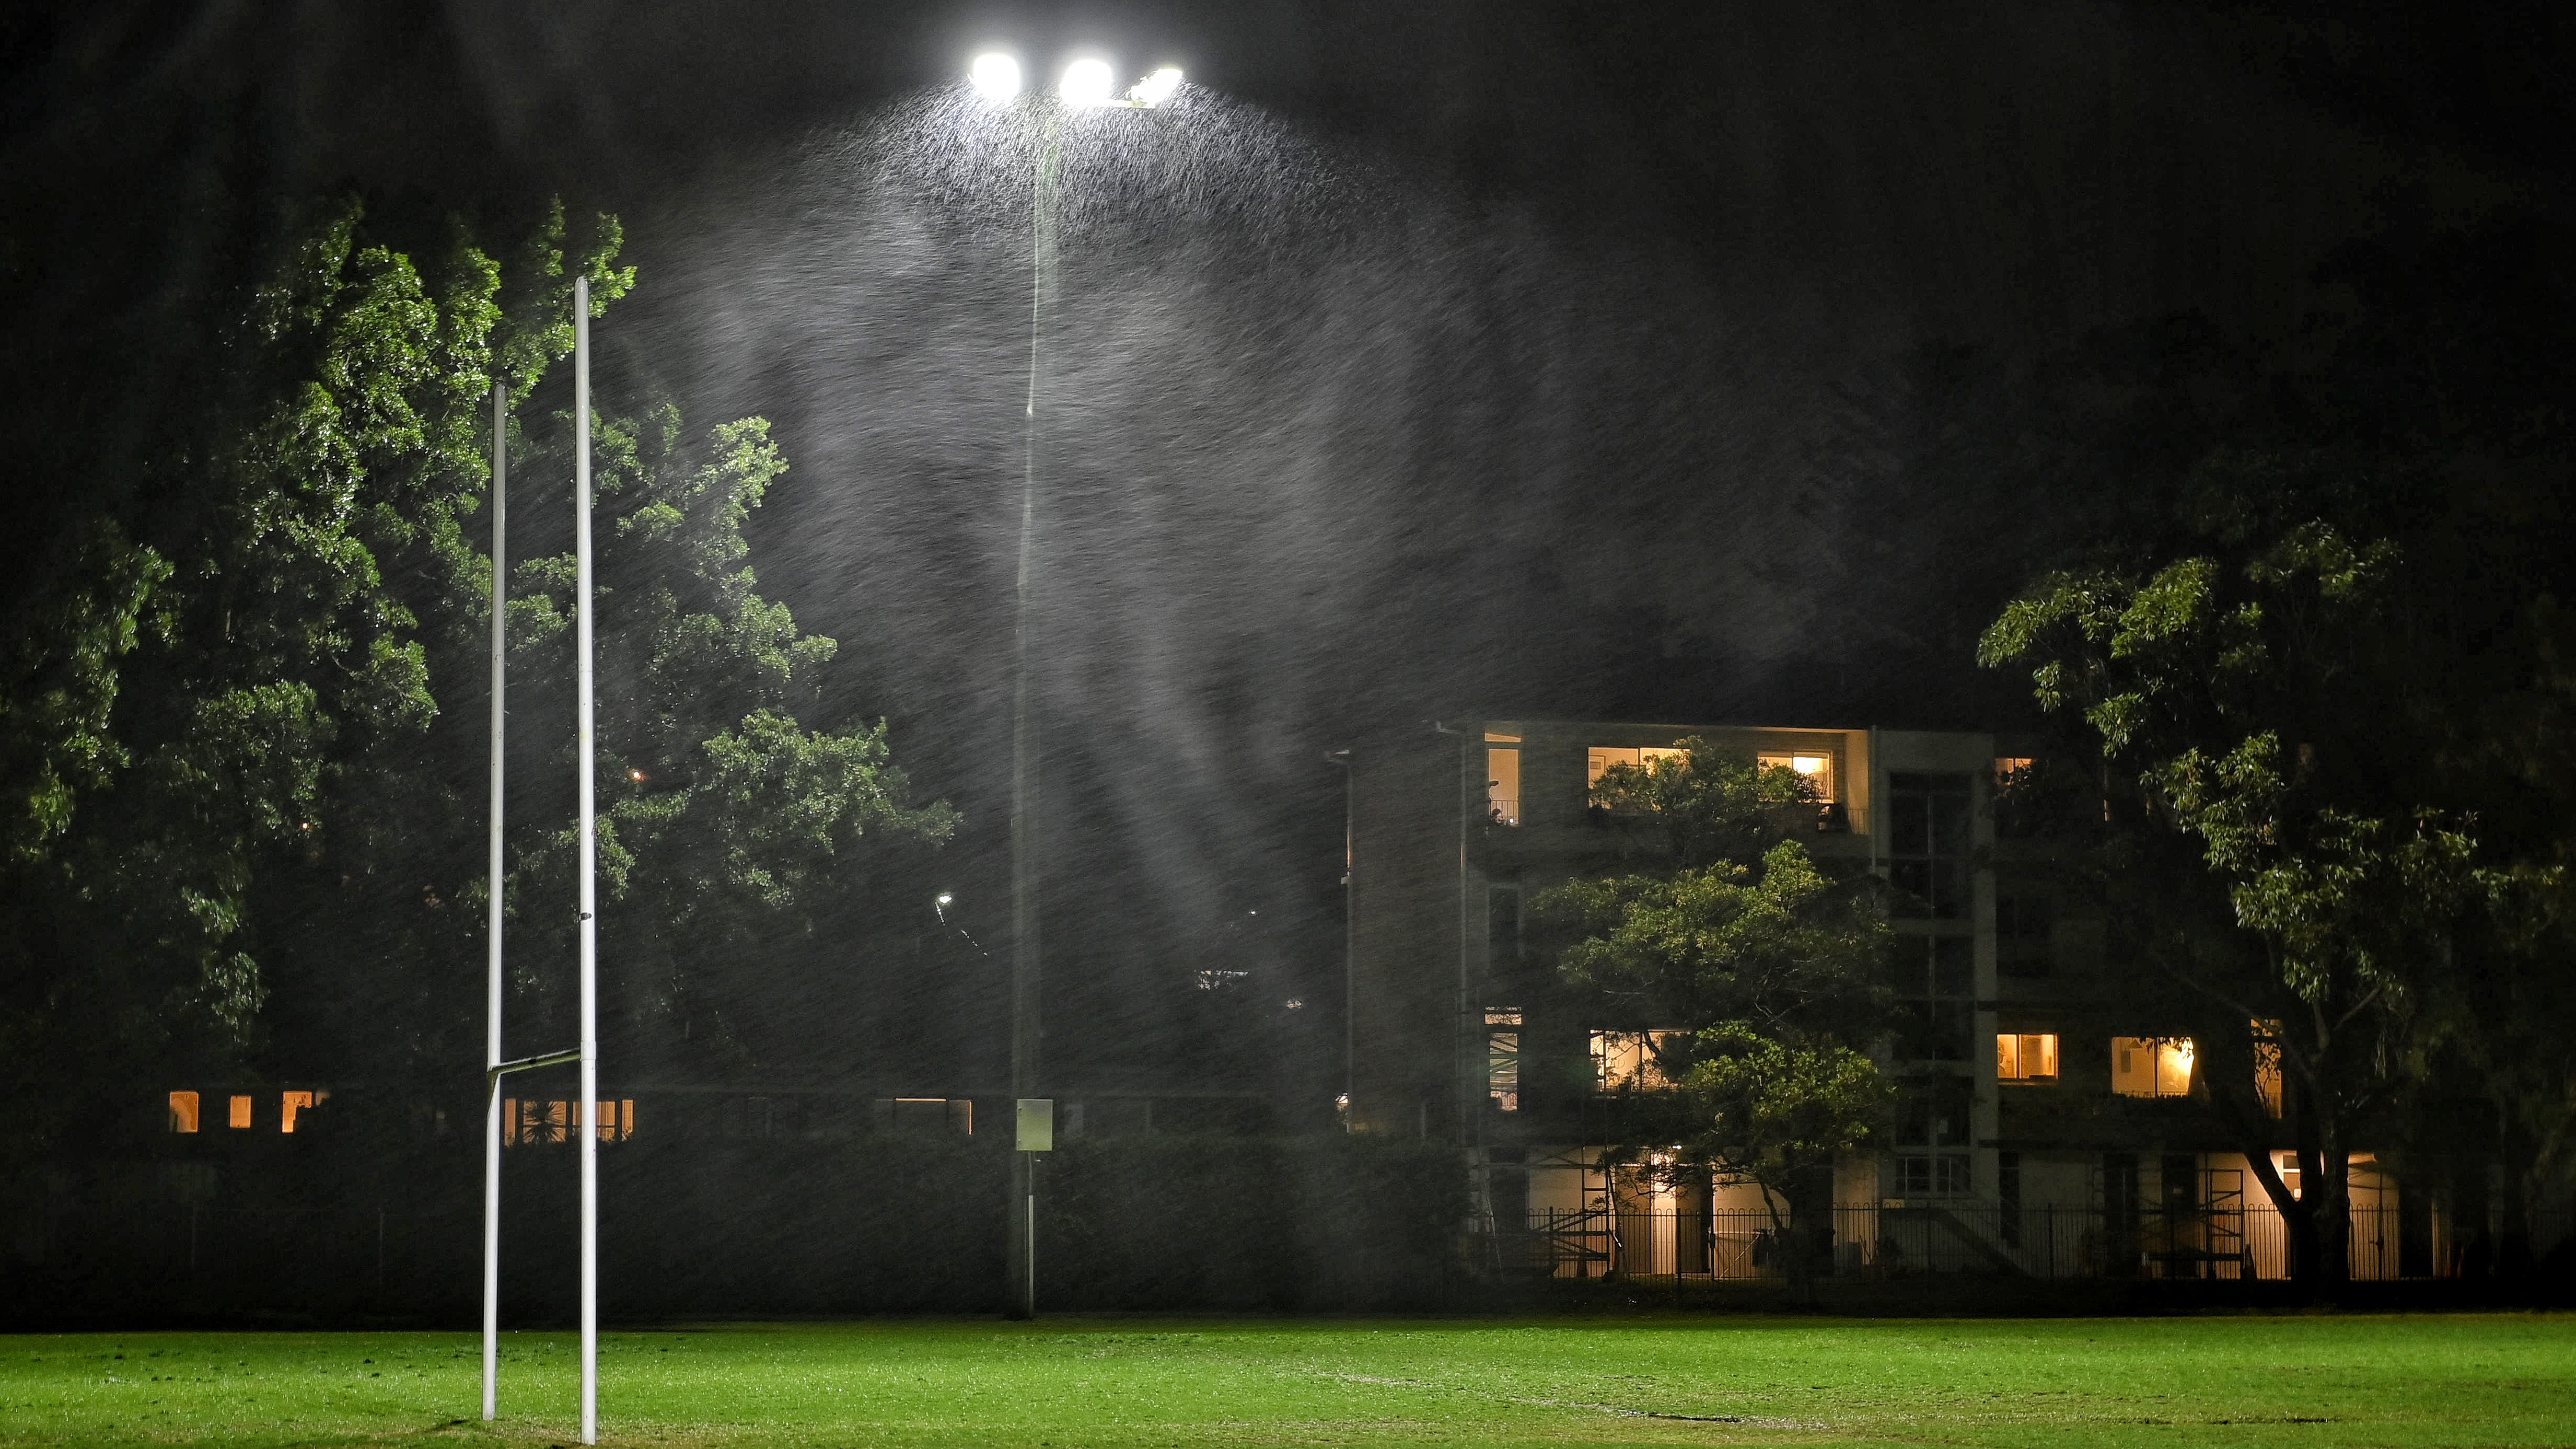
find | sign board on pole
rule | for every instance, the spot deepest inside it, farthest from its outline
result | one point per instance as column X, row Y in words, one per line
column 1037, row 1124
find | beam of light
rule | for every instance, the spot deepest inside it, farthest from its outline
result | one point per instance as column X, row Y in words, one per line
column 1157, row 88
column 1086, row 83
column 996, row 76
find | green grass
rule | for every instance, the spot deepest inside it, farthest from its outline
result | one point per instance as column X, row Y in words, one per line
column 2300, row 1380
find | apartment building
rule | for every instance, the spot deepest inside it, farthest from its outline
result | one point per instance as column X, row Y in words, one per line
column 2048, row 1121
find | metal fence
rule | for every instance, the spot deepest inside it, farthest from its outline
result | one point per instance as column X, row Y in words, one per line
column 2042, row 1243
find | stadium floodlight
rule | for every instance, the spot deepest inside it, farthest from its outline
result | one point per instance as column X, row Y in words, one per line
column 1086, row 83
column 584, row 1120
column 996, row 76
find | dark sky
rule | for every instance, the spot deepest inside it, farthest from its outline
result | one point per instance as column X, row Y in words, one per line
column 1556, row 359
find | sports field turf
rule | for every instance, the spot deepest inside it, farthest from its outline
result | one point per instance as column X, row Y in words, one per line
column 2306, row 1381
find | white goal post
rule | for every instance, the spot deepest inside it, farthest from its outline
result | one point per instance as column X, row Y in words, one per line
column 586, row 1109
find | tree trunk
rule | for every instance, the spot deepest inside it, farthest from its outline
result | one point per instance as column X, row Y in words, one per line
column 2251, row 1126
column 1808, row 1240
column 2307, row 1256
column 2327, row 1187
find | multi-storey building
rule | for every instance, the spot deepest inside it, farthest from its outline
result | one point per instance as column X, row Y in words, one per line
column 2047, row 1122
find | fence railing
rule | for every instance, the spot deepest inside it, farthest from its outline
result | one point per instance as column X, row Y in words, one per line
column 2042, row 1243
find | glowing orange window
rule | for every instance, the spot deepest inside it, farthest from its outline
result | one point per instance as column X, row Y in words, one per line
column 183, row 1111
column 2026, row 1057
column 2151, row 1066
column 240, row 1112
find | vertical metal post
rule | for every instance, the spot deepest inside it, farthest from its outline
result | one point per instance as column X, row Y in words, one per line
column 492, row 915
column 1350, row 934
column 1020, row 1300
column 1470, row 1021
column 586, row 1115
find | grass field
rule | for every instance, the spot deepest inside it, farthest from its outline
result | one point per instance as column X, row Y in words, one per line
column 2306, row 1381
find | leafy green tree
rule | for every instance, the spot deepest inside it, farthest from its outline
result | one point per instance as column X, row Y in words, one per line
column 721, row 813
column 1778, row 1113
column 1771, row 966
column 241, row 743
column 2192, row 673
column 2305, row 632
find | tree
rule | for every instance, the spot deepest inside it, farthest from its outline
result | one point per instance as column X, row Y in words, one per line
column 722, row 815
column 241, row 738
column 2317, row 668
column 2189, row 674
column 1771, row 966
column 1778, row 1113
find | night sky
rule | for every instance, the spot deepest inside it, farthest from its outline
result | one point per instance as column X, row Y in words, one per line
column 1432, row 360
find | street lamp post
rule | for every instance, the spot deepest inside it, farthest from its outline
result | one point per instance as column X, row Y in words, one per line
column 1342, row 1107
column 1086, row 84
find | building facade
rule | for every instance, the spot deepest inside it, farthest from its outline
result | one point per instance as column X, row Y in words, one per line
column 2053, row 1114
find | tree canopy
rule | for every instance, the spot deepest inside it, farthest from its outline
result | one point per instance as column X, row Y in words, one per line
column 1766, row 969
column 2324, row 693
column 242, row 727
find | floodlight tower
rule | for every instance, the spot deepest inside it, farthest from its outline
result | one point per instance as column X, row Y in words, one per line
column 1086, row 85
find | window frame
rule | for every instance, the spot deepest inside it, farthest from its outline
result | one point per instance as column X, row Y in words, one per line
column 1926, row 1014
column 1932, row 882
column 2021, row 1049
column 2162, row 1051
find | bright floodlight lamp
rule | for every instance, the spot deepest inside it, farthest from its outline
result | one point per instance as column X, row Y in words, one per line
column 1155, row 89
column 1086, row 83
column 996, row 76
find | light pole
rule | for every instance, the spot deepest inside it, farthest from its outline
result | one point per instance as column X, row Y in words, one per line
column 1086, row 84
column 1350, row 939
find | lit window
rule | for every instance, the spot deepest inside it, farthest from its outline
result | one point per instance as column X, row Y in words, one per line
column 2026, row 1057
column 240, row 1112
column 1503, row 779
column 2288, row 1165
column 2267, row 1065
column 617, row 1120
column 2151, row 1066
column 1626, row 1059
column 1816, row 770
column 529, row 1123
column 183, row 1111
column 294, row 1102
column 2015, row 806
column 1603, row 758
column 1940, row 1174
column 1503, row 1059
